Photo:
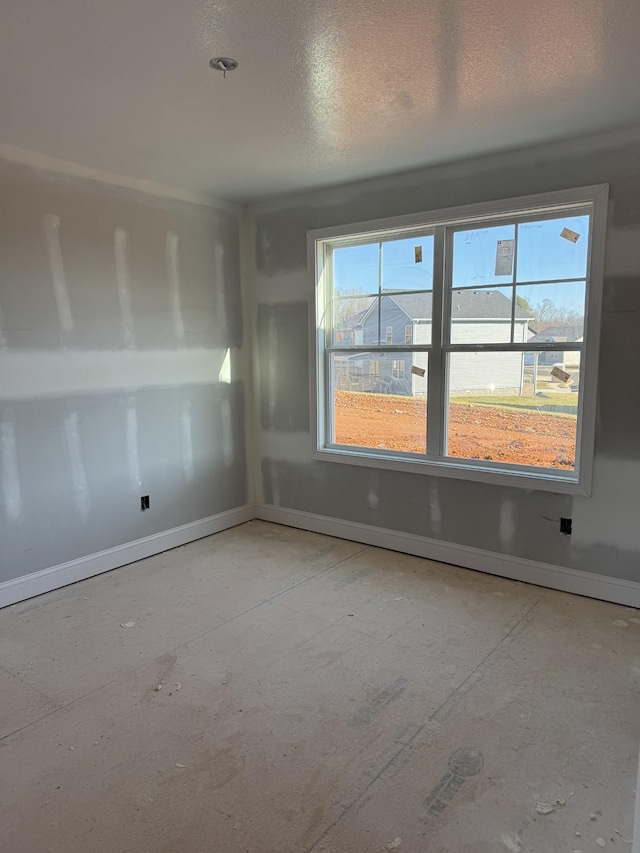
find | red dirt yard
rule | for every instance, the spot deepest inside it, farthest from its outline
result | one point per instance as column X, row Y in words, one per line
column 476, row 431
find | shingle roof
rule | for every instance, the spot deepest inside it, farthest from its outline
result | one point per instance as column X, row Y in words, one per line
column 466, row 304
column 355, row 319
column 568, row 333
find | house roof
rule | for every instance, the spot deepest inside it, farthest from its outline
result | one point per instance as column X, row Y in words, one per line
column 568, row 333
column 466, row 304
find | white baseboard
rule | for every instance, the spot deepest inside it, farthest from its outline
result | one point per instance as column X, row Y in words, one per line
column 46, row 580
column 515, row 568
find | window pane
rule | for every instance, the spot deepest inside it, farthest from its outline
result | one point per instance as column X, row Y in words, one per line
column 483, row 316
column 411, row 310
column 407, row 264
column 519, row 408
column 379, row 400
column 355, row 321
column 355, row 269
column 478, row 257
column 557, row 310
column 544, row 254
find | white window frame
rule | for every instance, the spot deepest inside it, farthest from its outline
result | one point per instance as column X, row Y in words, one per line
column 577, row 481
column 408, row 335
column 389, row 336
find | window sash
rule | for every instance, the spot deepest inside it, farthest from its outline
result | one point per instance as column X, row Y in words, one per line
column 590, row 201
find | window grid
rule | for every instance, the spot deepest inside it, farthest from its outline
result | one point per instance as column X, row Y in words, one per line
column 440, row 348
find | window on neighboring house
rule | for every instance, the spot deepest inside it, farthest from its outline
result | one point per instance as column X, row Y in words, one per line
column 397, row 370
column 501, row 307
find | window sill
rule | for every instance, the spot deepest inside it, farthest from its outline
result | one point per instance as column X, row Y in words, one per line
column 529, row 479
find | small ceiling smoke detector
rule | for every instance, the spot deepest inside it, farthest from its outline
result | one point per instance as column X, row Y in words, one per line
column 224, row 64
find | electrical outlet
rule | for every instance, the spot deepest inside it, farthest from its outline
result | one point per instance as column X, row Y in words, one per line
column 565, row 526
column 144, row 502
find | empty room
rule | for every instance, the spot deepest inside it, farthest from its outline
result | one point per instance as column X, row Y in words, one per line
column 319, row 426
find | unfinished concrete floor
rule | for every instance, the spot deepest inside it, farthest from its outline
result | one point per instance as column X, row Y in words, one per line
column 315, row 694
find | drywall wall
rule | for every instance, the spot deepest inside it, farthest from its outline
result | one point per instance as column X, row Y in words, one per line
column 122, row 366
column 507, row 520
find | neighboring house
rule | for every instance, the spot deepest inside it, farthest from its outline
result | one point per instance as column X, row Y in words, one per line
column 478, row 316
column 560, row 334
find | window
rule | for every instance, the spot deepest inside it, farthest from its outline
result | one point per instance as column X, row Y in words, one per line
column 496, row 379
column 397, row 371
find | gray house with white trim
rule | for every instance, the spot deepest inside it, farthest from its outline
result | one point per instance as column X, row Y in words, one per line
column 478, row 316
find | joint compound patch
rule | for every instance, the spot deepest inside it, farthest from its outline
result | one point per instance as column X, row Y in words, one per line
column 463, row 763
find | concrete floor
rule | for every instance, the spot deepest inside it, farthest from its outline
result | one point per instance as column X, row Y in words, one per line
column 315, row 695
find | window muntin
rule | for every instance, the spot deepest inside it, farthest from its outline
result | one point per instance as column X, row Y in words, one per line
column 529, row 299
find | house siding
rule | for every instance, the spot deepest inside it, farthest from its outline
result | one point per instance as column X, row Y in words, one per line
column 390, row 315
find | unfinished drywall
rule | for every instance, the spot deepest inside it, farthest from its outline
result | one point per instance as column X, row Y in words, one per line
column 507, row 520
column 122, row 367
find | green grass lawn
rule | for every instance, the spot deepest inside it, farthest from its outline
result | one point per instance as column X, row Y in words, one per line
column 555, row 403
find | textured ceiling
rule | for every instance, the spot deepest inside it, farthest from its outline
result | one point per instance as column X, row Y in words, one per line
column 327, row 90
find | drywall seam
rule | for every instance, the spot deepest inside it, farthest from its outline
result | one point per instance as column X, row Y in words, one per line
column 34, row 160
column 516, row 568
column 636, row 822
column 187, row 442
column 610, row 515
column 30, row 374
column 9, row 467
column 78, row 475
column 3, row 340
column 19, row 589
column 133, row 453
column 120, row 240
column 51, row 226
column 249, row 310
column 173, row 274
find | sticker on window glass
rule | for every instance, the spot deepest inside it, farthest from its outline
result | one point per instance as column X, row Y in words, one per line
column 560, row 374
column 418, row 371
column 568, row 234
column 418, row 254
column 504, row 257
